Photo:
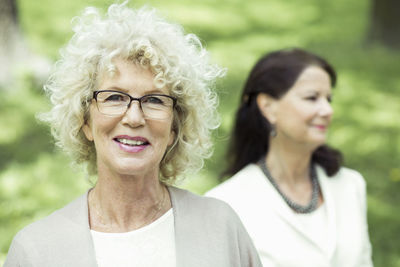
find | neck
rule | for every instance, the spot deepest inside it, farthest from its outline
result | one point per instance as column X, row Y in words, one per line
column 121, row 203
column 288, row 163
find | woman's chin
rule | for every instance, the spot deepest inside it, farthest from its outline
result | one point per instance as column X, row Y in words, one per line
column 135, row 168
column 317, row 143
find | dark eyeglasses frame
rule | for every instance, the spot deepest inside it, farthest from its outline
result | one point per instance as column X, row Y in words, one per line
column 95, row 93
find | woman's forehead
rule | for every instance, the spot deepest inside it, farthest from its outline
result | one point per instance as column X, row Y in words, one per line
column 131, row 78
column 312, row 78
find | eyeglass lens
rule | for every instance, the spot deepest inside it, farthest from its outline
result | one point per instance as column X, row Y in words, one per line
column 153, row 106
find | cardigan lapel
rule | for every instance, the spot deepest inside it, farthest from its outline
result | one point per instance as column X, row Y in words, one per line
column 77, row 214
column 183, row 229
column 180, row 258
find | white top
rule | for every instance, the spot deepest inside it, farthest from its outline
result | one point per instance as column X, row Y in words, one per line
column 151, row 245
column 315, row 225
column 285, row 239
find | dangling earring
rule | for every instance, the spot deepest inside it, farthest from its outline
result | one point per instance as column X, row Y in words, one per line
column 273, row 132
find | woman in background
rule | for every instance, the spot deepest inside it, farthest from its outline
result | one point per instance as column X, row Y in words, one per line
column 299, row 205
column 132, row 98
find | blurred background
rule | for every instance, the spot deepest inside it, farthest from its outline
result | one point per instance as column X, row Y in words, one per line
column 361, row 38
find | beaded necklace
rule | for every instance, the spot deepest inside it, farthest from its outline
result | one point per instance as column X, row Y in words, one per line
column 312, row 205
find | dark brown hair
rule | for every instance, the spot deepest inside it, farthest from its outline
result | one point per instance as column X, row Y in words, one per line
column 274, row 74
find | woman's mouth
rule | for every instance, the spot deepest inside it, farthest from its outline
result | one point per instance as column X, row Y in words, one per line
column 132, row 144
column 321, row 127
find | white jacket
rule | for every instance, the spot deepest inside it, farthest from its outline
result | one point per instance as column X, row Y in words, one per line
column 277, row 233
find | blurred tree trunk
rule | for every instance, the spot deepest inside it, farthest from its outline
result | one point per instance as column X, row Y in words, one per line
column 14, row 53
column 10, row 39
column 8, row 10
column 385, row 22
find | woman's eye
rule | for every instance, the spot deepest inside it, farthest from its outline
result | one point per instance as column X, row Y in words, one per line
column 115, row 97
column 153, row 100
column 311, row 98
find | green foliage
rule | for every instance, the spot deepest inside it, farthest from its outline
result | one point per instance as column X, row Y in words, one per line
column 36, row 178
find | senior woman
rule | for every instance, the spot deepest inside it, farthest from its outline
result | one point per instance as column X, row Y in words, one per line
column 300, row 206
column 132, row 99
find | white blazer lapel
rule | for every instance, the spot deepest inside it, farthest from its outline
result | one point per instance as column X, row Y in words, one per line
column 329, row 202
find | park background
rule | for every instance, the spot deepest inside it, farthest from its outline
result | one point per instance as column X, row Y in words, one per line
column 36, row 178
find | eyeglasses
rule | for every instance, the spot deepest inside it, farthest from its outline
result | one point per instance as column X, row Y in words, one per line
column 153, row 106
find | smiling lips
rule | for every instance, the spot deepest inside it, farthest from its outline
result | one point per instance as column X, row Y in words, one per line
column 131, row 144
column 321, row 127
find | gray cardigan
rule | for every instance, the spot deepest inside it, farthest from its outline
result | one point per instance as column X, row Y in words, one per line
column 207, row 233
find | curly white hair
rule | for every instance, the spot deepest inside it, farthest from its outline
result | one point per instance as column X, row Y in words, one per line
column 177, row 60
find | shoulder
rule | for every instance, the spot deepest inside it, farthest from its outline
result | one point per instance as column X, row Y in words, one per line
column 242, row 182
column 62, row 238
column 213, row 226
column 347, row 182
column 348, row 177
column 60, row 222
column 190, row 202
column 205, row 213
column 57, row 219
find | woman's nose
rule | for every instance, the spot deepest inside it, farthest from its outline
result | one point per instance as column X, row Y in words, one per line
column 326, row 109
column 134, row 115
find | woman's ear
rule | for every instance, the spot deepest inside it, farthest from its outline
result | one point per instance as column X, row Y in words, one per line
column 171, row 138
column 267, row 106
column 87, row 130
